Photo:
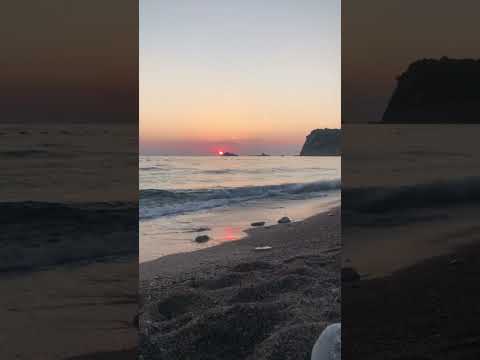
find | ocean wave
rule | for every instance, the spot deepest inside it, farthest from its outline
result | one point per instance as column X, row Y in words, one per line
column 22, row 211
column 417, row 196
column 156, row 203
column 36, row 234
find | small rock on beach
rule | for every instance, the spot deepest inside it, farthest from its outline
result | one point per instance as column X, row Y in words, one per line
column 202, row 238
column 284, row 220
column 258, row 223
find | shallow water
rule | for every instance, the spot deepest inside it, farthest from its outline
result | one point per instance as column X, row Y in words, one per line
column 68, row 193
column 411, row 192
column 179, row 195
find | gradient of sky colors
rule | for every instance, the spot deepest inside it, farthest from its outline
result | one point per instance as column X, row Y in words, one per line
column 69, row 61
column 381, row 38
column 245, row 76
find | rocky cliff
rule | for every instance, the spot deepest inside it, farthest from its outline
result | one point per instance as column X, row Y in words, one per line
column 437, row 91
column 322, row 142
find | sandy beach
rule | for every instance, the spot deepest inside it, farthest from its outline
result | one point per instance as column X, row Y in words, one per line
column 232, row 302
column 69, row 280
column 432, row 304
column 380, row 246
column 74, row 311
column 417, row 297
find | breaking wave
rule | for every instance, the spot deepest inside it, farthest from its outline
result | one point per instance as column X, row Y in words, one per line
column 156, row 203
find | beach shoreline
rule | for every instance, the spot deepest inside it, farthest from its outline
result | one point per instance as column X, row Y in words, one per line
column 180, row 195
column 290, row 291
column 169, row 236
column 228, row 252
column 94, row 301
column 411, row 243
column 433, row 304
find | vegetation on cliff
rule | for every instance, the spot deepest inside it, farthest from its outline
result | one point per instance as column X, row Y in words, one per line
column 322, row 142
column 437, row 91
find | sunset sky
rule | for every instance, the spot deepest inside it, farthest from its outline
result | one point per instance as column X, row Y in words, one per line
column 244, row 76
column 69, row 61
column 381, row 38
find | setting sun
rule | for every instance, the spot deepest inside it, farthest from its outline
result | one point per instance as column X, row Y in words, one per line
column 220, row 152
column 264, row 92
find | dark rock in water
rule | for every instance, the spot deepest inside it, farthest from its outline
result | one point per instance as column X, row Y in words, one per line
column 263, row 154
column 349, row 274
column 202, row 238
column 284, row 220
column 322, row 142
column 437, row 91
column 258, row 223
column 229, row 154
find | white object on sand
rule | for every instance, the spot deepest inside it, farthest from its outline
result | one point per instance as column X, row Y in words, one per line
column 263, row 248
column 329, row 344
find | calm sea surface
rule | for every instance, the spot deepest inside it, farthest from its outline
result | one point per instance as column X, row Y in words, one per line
column 180, row 195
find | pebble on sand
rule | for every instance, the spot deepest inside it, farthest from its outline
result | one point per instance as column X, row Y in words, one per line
column 284, row 220
column 202, row 238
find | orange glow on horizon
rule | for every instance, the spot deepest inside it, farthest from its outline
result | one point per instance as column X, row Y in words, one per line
column 201, row 93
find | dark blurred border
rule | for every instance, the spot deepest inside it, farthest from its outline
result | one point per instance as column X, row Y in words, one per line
column 410, row 183
column 69, row 185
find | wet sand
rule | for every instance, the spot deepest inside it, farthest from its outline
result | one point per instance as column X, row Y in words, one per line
column 427, row 311
column 377, row 249
column 418, row 296
column 82, row 311
column 230, row 301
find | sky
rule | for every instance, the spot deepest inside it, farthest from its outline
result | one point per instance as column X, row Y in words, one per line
column 381, row 38
column 69, row 61
column 244, row 76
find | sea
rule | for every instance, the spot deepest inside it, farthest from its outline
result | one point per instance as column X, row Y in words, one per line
column 409, row 192
column 182, row 197
column 69, row 193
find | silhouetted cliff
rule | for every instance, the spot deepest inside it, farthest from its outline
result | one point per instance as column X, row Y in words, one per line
column 437, row 91
column 322, row 142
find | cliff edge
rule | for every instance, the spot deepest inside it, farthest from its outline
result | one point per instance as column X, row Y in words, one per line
column 322, row 142
column 437, row 91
